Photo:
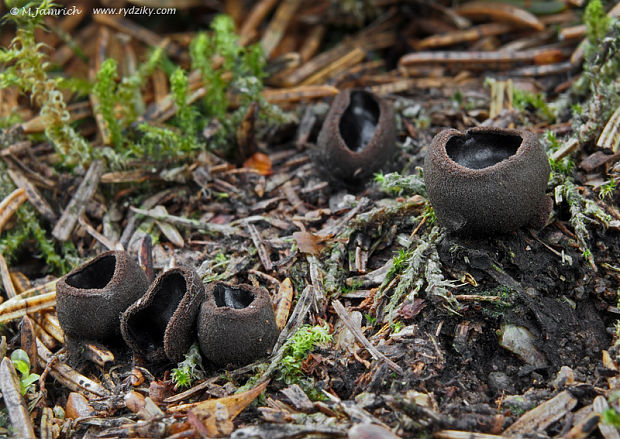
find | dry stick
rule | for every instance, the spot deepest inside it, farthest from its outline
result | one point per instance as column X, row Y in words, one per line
column 455, row 434
column 312, row 42
column 407, row 84
column 6, row 279
column 190, row 392
column 96, row 235
column 68, row 376
column 49, row 287
column 10, row 204
column 317, row 63
column 349, row 60
column 275, row 31
column 546, row 70
column 44, row 336
column 187, row 222
column 263, row 255
column 257, row 14
column 17, row 148
column 293, row 198
column 52, row 326
column 569, row 147
column 501, row 12
column 461, row 36
column 33, row 195
column 14, row 401
column 357, row 333
column 18, row 307
column 76, row 206
column 497, row 59
column 295, row 94
column 138, row 32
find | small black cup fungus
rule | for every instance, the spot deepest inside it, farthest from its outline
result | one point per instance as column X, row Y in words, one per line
column 357, row 138
column 91, row 298
column 236, row 324
column 162, row 325
column 487, row 180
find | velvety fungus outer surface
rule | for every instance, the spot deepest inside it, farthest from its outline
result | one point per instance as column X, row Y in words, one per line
column 162, row 325
column 91, row 298
column 357, row 138
column 487, row 180
column 236, row 324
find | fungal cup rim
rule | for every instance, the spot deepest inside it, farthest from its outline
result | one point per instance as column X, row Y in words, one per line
column 442, row 158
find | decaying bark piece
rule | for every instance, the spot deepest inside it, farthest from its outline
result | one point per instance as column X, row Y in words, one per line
column 14, row 401
column 76, row 206
column 543, row 416
column 33, row 195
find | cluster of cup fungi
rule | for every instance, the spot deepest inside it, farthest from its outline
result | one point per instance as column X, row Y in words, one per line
column 484, row 181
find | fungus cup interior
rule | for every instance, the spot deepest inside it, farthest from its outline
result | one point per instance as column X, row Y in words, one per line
column 236, row 298
column 481, row 150
column 359, row 121
column 148, row 325
column 94, row 276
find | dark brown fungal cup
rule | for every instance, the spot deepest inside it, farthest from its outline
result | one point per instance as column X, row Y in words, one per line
column 91, row 298
column 487, row 180
column 236, row 324
column 161, row 326
column 357, row 138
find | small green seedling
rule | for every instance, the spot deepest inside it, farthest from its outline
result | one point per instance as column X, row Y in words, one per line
column 189, row 369
column 20, row 360
column 607, row 190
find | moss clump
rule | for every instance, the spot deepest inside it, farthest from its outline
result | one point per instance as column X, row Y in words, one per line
column 232, row 74
column 596, row 21
column 298, row 347
column 25, row 67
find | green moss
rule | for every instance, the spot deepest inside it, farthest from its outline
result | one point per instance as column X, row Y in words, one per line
column 105, row 91
column 596, row 21
column 399, row 185
column 298, row 347
column 187, row 115
column 229, row 71
column 522, row 100
column 607, row 190
column 188, row 370
column 25, row 67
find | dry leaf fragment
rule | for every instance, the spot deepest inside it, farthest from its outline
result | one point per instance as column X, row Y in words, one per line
column 217, row 414
column 259, row 162
column 77, row 406
column 308, row 243
column 134, row 401
column 285, row 298
column 14, row 401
